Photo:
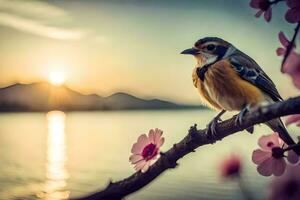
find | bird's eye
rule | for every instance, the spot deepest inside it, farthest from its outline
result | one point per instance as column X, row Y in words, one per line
column 210, row 47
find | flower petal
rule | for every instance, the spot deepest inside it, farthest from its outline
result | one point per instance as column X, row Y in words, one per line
column 296, row 79
column 140, row 165
column 157, row 135
column 259, row 156
column 151, row 136
column 231, row 166
column 136, row 148
column 293, row 15
column 292, row 157
column 293, row 3
column 140, row 144
column 267, row 142
column 278, row 166
column 143, row 139
column 283, row 39
column 146, row 167
column 292, row 119
column 153, row 160
column 268, row 14
column 280, row 51
column 292, row 67
column 254, row 3
column 160, row 142
column 292, row 64
column 135, row 158
column 265, row 168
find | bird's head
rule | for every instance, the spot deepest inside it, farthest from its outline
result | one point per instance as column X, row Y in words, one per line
column 209, row 50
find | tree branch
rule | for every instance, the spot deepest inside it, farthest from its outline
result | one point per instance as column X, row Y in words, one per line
column 194, row 139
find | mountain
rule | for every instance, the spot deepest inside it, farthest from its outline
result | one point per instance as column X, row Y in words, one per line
column 45, row 97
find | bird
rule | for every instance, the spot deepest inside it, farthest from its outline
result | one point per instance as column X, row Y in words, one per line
column 229, row 80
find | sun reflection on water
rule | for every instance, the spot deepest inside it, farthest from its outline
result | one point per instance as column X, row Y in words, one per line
column 56, row 158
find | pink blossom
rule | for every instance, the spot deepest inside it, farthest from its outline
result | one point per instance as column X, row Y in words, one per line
column 292, row 63
column 293, row 14
column 292, row 67
column 231, row 166
column 268, row 163
column 286, row 186
column 292, row 157
column 293, row 119
column 146, row 150
column 270, row 156
column 285, row 43
column 264, row 6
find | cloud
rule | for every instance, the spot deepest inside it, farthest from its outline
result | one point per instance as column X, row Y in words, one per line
column 36, row 28
column 33, row 9
column 38, row 18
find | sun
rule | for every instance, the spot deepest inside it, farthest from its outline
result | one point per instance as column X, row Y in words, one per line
column 56, row 78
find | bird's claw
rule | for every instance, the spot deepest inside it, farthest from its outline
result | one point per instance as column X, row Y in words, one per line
column 211, row 129
column 240, row 117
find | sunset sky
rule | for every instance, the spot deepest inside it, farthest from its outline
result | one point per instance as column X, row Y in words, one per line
column 133, row 46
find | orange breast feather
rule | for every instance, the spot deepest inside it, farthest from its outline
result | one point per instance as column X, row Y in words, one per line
column 224, row 89
column 204, row 96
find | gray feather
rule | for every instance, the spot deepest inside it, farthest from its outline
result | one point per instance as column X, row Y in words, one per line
column 249, row 70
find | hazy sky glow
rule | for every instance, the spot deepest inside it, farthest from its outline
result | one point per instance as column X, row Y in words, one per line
column 133, row 46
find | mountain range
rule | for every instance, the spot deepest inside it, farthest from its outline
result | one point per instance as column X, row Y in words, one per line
column 43, row 96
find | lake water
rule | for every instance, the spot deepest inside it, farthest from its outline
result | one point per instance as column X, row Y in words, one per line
column 61, row 155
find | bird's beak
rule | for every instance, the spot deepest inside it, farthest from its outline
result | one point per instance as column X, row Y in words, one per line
column 191, row 51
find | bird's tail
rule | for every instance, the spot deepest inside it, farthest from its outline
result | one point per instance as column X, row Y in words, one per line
column 278, row 126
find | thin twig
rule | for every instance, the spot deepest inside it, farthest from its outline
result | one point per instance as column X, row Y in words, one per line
column 293, row 146
column 275, row 1
column 290, row 47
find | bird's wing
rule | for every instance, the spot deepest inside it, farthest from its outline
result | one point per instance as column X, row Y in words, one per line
column 249, row 70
